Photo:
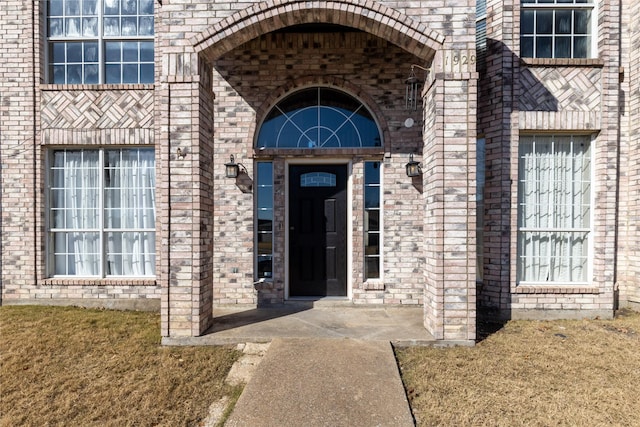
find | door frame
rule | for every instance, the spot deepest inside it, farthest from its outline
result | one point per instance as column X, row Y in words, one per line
column 349, row 247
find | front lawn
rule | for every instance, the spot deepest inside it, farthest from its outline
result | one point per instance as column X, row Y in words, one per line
column 531, row 373
column 79, row 367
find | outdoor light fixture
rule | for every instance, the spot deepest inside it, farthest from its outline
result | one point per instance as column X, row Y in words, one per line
column 412, row 88
column 413, row 167
column 180, row 154
column 232, row 169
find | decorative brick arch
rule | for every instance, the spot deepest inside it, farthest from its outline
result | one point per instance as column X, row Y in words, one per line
column 368, row 15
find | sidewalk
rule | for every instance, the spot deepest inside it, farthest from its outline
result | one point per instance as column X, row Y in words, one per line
column 324, row 382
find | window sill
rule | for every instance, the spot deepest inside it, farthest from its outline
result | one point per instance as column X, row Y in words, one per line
column 111, row 281
column 373, row 285
column 556, row 289
column 96, row 87
column 563, row 62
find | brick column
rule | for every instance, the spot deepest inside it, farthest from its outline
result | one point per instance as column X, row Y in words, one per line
column 185, row 114
column 449, row 189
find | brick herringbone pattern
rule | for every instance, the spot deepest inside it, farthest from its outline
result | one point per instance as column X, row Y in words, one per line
column 556, row 89
column 97, row 109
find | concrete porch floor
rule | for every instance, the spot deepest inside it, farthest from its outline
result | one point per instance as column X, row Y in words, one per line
column 402, row 326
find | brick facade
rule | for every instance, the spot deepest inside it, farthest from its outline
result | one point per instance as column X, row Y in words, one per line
column 219, row 69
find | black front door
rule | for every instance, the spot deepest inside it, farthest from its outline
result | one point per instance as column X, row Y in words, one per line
column 317, row 230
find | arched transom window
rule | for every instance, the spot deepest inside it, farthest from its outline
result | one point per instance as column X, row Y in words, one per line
column 319, row 117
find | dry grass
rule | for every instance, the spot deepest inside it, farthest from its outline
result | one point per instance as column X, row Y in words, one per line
column 79, row 367
column 533, row 373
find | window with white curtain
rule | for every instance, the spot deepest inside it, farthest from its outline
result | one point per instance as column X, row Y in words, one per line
column 557, row 28
column 554, row 209
column 102, row 212
column 100, row 41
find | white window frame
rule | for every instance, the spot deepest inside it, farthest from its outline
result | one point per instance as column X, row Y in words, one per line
column 260, row 184
column 535, row 6
column 101, row 230
column 380, row 231
column 590, row 229
column 101, row 39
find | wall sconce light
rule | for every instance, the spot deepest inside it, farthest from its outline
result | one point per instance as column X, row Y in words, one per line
column 413, row 167
column 412, row 88
column 232, row 169
column 180, row 154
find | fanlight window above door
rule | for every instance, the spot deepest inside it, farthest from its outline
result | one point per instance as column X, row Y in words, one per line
column 319, row 117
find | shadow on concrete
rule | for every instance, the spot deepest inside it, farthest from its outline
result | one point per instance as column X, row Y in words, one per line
column 235, row 320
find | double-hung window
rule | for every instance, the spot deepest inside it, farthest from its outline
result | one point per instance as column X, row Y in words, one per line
column 101, row 212
column 557, row 28
column 554, row 209
column 100, row 41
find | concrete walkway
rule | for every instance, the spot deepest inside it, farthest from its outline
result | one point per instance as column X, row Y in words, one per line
column 324, row 382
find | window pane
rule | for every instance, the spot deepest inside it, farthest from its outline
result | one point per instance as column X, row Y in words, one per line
column 526, row 47
column 526, row 22
column 130, row 73
column 72, row 7
column 74, row 74
column 111, row 26
column 543, row 47
column 146, row 73
column 581, row 47
column 73, row 27
column 544, row 22
column 55, row 8
column 372, row 197
column 563, row 21
column 112, row 73
column 129, row 26
column 112, row 51
column 90, row 7
column 146, row 51
column 583, row 21
column 145, row 27
column 129, row 7
column 111, row 7
column 58, row 73
column 145, row 7
column 90, row 52
column 372, row 173
column 91, row 74
column 56, row 28
column 130, row 52
column 372, row 268
column 372, row 220
column 563, row 47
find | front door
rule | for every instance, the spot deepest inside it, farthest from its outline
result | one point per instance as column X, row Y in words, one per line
column 317, row 230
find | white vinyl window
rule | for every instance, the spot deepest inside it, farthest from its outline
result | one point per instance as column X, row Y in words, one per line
column 264, row 215
column 372, row 221
column 557, row 28
column 554, row 209
column 101, row 212
column 100, row 41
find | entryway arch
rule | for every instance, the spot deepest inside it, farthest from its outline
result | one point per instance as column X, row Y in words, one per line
column 369, row 16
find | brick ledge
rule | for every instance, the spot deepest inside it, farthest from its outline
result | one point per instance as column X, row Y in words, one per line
column 98, row 282
column 563, row 62
column 547, row 289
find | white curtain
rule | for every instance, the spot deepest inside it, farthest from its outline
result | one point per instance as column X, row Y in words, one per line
column 75, row 213
column 130, row 212
column 554, row 208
